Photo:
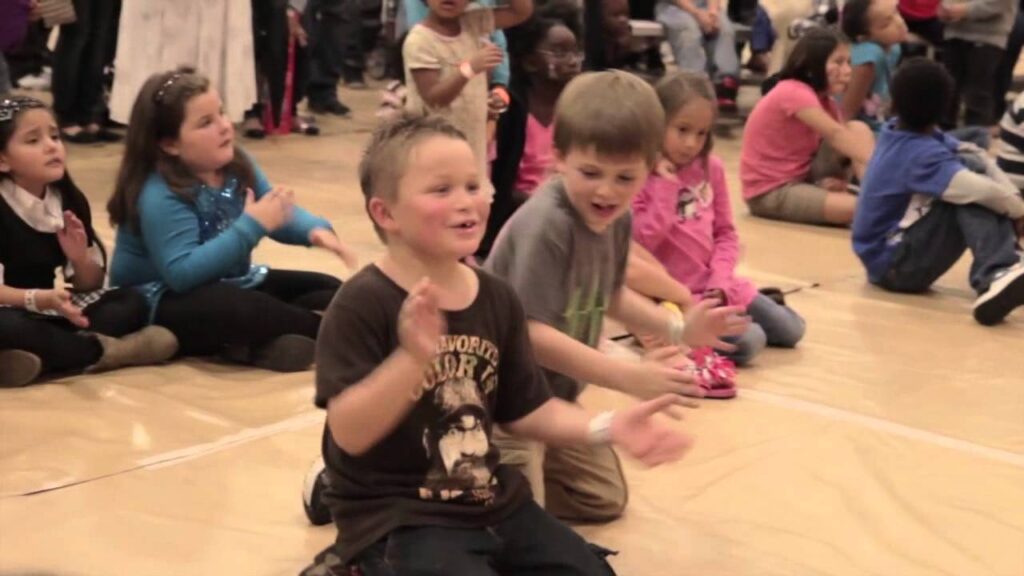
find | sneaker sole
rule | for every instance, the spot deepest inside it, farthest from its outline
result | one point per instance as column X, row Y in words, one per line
column 1007, row 293
column 288, row 353
column 20, row 368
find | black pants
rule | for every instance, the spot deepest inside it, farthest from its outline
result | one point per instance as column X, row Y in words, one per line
column 973, row 66
column 270, row 33
column 211, row 317
column 63, row 347
column 81, row 54
column 530, row 541
column 335, row 33
column 1004, row 75
column 933, row 244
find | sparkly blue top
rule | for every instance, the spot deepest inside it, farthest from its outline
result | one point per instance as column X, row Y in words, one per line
column 184, row 244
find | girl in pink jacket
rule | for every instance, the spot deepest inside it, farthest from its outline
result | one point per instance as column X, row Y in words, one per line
column 684, row 218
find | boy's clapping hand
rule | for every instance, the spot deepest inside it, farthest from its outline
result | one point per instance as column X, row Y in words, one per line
column 637, row 431
column 707, row 323
column 420, row 322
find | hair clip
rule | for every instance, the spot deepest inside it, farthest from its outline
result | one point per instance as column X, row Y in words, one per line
column 9, row 107
column 159, row 96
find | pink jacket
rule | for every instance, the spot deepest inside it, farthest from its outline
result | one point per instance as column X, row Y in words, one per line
column 688, row 227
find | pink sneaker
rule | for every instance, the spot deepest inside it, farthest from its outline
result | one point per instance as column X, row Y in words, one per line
column 714, row 373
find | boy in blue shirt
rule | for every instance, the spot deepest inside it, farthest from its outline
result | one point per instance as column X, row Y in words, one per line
column 920, row 206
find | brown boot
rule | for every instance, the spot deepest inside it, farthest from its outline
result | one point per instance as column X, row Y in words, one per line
column 18, row 368
column 151, row 345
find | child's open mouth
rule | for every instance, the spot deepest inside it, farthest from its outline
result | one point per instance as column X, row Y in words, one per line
column 467, row 227
column 604, row 210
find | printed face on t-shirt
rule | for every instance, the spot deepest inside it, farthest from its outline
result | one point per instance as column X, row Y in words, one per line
column 599, row 187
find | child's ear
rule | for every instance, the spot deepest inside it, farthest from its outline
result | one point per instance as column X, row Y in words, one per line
column 4, row 166
column 560, row 167
column 170, row 146
column 380, row 212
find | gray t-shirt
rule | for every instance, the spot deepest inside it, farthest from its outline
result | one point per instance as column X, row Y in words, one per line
column 564, row 273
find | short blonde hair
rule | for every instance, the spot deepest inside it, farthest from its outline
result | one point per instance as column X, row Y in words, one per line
column 613, row 112
column 387, row 155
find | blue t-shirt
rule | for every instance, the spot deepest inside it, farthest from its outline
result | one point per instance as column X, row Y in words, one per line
column 876, row 104
column 903, row 165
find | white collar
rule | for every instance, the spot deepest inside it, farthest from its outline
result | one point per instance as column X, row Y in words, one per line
column 43, row 215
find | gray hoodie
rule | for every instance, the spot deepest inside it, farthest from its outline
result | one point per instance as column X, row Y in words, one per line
column 987, row 21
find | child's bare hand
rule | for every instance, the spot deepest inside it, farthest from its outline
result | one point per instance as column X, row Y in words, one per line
column 487, row 58
column 650, row 378
column 73, row 239
column 496, row 103
column 60, row 301
column 420, row 322
column 666, row 169
column 707, row 323
column 636, row 431
column 295, row 29
column 273, row 210
column 716, row 294
column 324, row 238
column 707, row 21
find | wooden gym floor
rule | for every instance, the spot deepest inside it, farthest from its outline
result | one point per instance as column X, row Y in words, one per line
column 891, row 442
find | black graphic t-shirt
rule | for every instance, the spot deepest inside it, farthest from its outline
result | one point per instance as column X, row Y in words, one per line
column 439, row 467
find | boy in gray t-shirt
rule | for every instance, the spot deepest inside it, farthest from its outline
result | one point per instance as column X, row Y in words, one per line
column 564, row 252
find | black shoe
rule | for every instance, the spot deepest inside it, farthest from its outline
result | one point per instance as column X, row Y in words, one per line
column 1004, row 294
column 313, row 494
column 288, row 353
column 330, row 107
column 105, row 135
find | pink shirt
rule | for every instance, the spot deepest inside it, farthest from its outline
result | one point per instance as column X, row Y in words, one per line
column 537, row 155
column 777, row 146
column 688, row 227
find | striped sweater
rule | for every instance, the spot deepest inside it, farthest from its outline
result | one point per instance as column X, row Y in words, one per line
column 1011, row 147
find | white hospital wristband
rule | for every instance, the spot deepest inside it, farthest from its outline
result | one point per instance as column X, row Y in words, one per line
column 30, row 301
column 599, row 430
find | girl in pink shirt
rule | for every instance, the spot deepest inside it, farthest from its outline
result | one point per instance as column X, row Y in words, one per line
column 795, row 143
column 684, row 218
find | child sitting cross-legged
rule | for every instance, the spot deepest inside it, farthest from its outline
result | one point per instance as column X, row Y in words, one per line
column 921, row 206
column 419, row 356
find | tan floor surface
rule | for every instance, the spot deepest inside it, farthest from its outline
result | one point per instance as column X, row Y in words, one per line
column 890, row 443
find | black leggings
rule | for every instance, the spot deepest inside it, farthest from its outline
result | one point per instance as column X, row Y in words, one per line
column 207, row 319
column 63, row 347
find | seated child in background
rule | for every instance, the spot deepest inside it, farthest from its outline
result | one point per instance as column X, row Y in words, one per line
column 796, row 145
column 684, row 218
column 546, row 55
column 703, row 40
column 46, row 223
column 921, row 207
column 565, row 253
column 447, row 58
column 419, row 357
column 190, row 207
column 876, row 29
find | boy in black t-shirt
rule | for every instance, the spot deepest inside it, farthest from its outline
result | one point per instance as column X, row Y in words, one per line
column 418, row 357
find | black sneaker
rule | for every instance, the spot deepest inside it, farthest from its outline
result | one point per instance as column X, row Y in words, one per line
column 331, row 107
column 18, row 368
column 1004, row 294
column 313, row 492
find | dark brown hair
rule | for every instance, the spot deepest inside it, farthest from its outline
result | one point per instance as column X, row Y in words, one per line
column 157, row 115
column 809, row 59
column 387, row 155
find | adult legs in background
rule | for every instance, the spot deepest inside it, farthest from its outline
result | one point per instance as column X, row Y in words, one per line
column 1004, row 75
column 973, row 67
column 684, row 36
column 81, row 54
column 324, row 27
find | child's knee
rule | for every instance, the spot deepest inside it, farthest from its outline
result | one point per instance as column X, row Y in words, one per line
column 788, row 333
column 749, row 345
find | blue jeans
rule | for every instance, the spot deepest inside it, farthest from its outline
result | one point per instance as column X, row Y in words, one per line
column 692, row 48
column 771, row 325
column 762, row 35
column 530, row 541
column 933, row 244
